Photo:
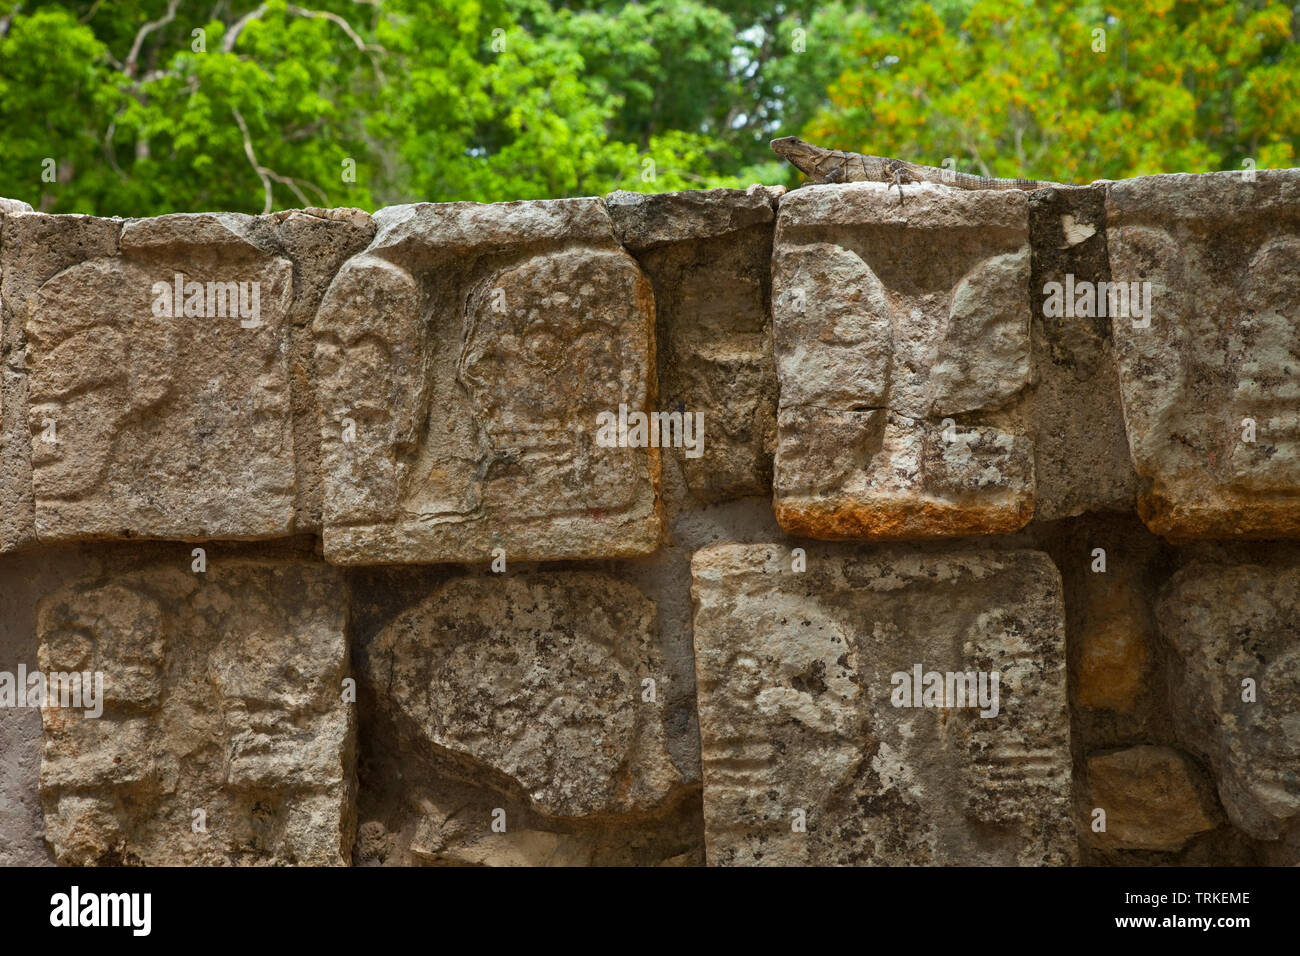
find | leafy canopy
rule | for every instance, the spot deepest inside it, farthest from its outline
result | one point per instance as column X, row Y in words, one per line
column 139, row 107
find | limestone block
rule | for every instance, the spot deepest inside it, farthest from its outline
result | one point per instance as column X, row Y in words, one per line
column 1153, row 798
column 318, row 242
column 803, row 719
column 222, row 693
column 535, row 684
column 158, row 385
column 16, row 526
column 1227, row 624
column 164, row 369
column 1081, row 457
column 646, row 221
column 902, row 351
column 1217, row 254
column 33, row 248
column 707, row 253
column 463, row 363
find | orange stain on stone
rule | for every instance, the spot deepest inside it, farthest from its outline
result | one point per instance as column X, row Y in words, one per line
column 901, row 519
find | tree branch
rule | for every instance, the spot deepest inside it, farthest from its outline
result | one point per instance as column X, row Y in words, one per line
column 8, row 18
column 236, row 28
column 89, row 15
column 134, row 56
column 362, row 45
column 252, row 160
column 266, row 174
column 302, row 132
column 110, row 149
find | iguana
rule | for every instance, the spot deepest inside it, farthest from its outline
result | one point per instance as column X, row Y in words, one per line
column 834, row 166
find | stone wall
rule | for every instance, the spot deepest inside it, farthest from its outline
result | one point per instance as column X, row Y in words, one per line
column 940, row 550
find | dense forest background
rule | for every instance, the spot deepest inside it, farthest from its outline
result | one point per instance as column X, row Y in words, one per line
column 142, row 107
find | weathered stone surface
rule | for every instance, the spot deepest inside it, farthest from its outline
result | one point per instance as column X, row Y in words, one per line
column 318, row 242
column 795, row 691
column 1081, row 457
column 646, row 221
column 1115, row 645
column 443, row 822
column 222, row 693
column 24, row 579
column 20, row 749
column 16, row 526
column 1223, row 345
column 1115, row 656
column 473, row 348
column 707, row 253
column 1153, row 797
column 148, row 423
column 534, row 683
column 157, row 415
column 1285, row 851
column 1226, row 624
column 903, row 353
column 33, row 248
column 427, row 805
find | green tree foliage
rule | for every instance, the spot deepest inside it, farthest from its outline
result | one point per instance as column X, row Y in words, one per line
column 1074, row 92
column 138, row 107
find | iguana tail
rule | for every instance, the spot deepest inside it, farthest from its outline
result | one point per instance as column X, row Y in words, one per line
column 834, row 166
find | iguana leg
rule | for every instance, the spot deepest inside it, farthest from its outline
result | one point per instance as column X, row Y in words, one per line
column 897, row 180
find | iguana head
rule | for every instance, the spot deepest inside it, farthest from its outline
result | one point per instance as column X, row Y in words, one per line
column 796, row 151
column 813, row 161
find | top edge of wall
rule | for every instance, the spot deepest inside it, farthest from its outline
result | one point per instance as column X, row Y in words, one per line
column 683, row 200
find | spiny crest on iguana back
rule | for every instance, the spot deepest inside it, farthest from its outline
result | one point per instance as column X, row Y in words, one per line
column 835, row 166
